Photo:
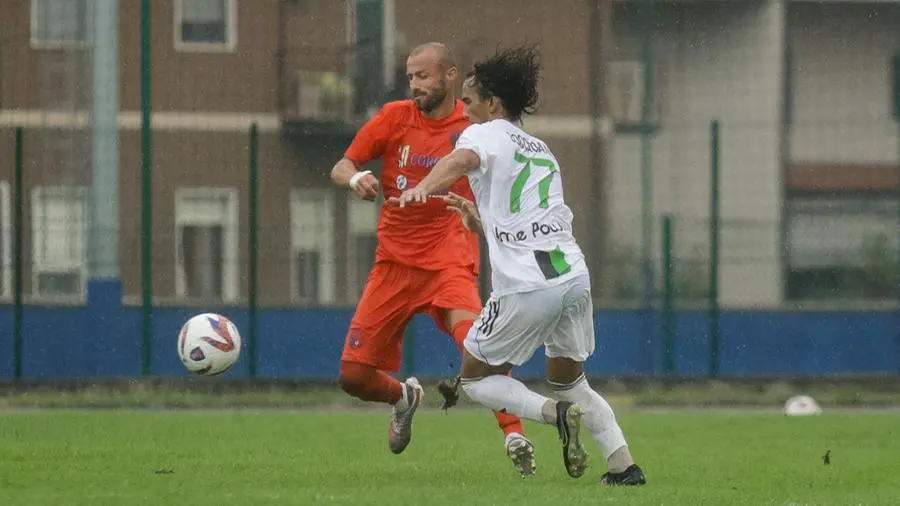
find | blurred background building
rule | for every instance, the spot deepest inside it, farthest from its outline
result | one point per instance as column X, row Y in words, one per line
column 764, row 131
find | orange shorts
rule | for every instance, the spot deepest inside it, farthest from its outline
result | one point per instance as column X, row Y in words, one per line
column 393, row 294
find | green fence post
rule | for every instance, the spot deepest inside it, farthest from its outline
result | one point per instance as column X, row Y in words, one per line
column 895, row 96
column 409, row 343
column 895, row 87
column 146, row 196
column 18, row 206
column 253, row 247
column 668, row 304
column 646, row 161
column 714, row 236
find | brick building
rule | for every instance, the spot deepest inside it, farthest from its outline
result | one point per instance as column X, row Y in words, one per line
column 309, row 71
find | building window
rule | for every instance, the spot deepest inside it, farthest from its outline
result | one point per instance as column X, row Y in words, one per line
column 362, row 241
column 5, row 241
column 57, row 23
column 843, row 248
column 206, row 244
column 206, row 25
column 59, row 228
column 312, row 246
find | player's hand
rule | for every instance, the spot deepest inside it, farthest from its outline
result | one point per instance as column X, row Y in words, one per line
column 415, row 195
column 466, row 210
column 367, row 187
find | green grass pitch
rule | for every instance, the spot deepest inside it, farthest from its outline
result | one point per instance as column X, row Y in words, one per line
column 341, row 457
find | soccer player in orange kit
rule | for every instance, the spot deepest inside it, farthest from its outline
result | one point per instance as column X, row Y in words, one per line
column 426, row 261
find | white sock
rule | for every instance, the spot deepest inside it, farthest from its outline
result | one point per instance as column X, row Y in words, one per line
column 502, row 393
column 511, row 436
column 597, row 415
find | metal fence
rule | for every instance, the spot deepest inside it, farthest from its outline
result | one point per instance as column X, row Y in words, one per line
column 182, row 149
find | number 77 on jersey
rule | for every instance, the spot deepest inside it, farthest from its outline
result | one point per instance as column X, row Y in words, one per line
column 515, row 195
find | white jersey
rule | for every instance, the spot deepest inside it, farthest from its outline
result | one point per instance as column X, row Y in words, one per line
column 519, row 194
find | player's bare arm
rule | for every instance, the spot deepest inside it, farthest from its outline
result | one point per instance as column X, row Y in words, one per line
column 345, row 173
column 447, row 171
column 466, row 210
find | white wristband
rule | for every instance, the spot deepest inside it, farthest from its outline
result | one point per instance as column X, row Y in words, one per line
column 356, row 177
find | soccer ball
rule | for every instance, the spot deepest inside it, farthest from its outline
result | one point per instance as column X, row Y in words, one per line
column 209, row 344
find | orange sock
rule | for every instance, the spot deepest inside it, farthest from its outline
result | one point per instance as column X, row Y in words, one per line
column 369, row 384
column 508, row 423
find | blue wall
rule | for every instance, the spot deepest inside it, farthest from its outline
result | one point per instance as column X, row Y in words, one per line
column 102, row 340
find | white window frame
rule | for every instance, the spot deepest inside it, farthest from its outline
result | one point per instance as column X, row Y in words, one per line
column 231, row 31
column 230, row 223
column 38, row 43
column 37, row 195
column 362, row 218
column 6, row 239
column 323, row 200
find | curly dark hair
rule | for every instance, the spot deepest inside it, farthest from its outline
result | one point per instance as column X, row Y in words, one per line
column 512, row 76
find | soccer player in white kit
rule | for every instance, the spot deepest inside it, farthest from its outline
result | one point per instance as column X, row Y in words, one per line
column 540, row 284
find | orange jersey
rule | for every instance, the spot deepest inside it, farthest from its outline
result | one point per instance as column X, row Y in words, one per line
column 428, row 236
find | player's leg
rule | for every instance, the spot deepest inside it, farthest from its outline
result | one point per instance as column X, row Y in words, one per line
column 519, row 448
column 460, row 321
column 507, row 333
column 373, row 345
column 368, row 383
column 567, row 349
column 454, row 307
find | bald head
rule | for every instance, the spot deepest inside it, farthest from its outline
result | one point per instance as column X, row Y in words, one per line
column 432, row 73
column 441, row 53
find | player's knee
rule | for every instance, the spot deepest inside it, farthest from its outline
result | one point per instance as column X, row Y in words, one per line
column 564, row 370
column 353, row 378
column 470, row 387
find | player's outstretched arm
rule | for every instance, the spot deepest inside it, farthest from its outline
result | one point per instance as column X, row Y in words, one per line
column 346, row 174
column 447, row 171
column 466, row 210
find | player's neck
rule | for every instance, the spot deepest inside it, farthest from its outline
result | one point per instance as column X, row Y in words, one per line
column 500, row 115
column 442, row 111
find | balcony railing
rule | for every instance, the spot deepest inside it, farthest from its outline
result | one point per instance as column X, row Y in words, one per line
column 323, row 85
column 324, row 96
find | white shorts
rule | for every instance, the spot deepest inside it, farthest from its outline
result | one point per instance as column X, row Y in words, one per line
column 512, row 327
